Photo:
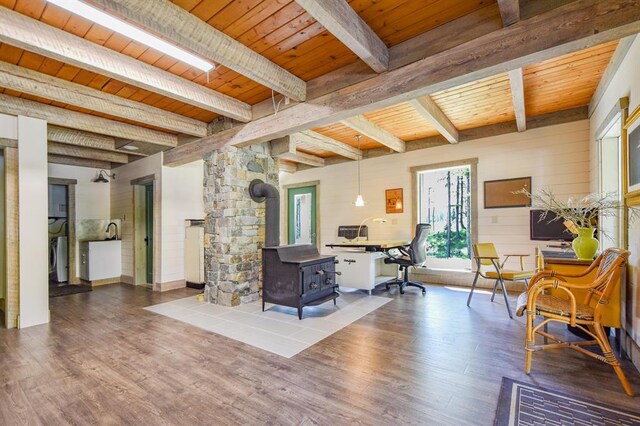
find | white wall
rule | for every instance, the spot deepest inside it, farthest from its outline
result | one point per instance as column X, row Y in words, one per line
column 182, row 199
column 626, row 82
column 122, row 205
column 32, row 208
column 180, row 190
column 556, row 156
column 93, row 200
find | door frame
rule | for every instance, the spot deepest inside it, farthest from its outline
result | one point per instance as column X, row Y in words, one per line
column 72, row 277
column 139, row 261
column 285, row 207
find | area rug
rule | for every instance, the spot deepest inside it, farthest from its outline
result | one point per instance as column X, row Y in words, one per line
column 524, row 404
column 65, row 290
column 278, row 329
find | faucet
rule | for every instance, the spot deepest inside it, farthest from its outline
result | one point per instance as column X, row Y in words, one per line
column 109, row 227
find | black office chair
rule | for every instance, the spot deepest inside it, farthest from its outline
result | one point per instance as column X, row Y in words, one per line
column 412, row 255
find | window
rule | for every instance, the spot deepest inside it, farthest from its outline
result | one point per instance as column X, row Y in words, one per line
column 444, row 197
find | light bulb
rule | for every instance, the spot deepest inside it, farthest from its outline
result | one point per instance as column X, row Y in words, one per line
column 359, row 201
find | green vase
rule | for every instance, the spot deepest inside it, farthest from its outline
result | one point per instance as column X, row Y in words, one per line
column 585, row 245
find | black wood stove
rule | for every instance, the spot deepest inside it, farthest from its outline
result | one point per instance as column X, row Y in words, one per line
column 296, row 275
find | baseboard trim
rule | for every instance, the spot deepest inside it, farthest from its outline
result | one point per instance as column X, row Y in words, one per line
column 106, row 281
column 631, row 349
column 127, row 279
column 460, row 279
column 169, row 285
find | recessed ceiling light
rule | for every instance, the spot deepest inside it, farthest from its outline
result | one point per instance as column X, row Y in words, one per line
column 130, row 147
column 105, row 20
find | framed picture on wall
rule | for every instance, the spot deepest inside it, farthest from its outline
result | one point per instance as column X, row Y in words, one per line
column 633, row 153
column 501, row 193
column 394, row 200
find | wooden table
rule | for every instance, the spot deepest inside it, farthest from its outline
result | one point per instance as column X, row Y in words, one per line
column 611, row 315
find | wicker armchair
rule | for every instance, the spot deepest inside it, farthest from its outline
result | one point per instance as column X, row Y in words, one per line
column 585, row 314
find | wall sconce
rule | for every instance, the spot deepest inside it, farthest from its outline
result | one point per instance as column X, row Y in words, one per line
column 102, row 177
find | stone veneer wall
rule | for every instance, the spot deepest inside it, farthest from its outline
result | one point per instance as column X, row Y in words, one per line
column 234, row 224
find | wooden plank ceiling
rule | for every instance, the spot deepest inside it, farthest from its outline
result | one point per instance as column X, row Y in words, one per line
column 558, row 84
column 283, row 32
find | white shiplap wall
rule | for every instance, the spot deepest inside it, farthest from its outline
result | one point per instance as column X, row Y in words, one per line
column 93, row 200
column 626, row 82
column 122, row 205
column 179, row 193
column 181, row 199
column 556, row 156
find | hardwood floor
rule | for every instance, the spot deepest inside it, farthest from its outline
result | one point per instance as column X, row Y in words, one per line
column 416, row 360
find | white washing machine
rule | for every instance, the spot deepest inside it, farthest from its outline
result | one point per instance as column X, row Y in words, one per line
column 59, row 260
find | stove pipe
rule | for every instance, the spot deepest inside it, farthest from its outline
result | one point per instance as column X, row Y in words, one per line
column 260, row 192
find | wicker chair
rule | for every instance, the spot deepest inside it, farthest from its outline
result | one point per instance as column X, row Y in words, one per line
column 585, row 314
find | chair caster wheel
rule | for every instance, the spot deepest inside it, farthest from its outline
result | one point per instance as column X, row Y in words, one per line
column 424, row 292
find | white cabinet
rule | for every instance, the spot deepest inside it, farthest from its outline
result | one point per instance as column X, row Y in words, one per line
column 194, row 254
column 100, row 260
column 363, row 270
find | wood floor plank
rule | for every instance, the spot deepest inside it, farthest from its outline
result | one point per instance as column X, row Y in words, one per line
column 419, row 359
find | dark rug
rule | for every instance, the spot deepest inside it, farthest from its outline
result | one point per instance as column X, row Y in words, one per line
column 65, row 290
column 525, row 404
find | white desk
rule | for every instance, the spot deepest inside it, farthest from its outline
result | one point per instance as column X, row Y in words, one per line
column 362, row 263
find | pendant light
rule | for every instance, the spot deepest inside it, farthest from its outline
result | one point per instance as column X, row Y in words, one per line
column 359, row 200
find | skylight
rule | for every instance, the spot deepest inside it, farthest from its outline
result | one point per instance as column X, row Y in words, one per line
column 103, row 19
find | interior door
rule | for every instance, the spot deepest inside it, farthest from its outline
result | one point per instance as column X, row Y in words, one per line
column 301, row 207
column 149, row 231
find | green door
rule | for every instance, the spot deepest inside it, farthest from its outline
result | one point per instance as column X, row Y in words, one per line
column 301, row 204
column 148, row 212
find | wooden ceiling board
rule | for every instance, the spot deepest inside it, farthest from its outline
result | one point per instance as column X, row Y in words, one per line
column 481, row 103
column 345, row 134
column 313, row 150
column 567, row 81
column 403, row 121
column 279, row 29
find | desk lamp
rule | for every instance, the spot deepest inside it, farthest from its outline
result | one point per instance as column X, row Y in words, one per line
column 376, row 219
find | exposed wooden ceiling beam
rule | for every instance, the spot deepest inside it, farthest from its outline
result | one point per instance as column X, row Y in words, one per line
column 510, row 11
column 287, row 167
column 176, row 24
column 86, row 139
column 32, row 35
column 301, row 157
column 282, row 146
column 285, row 149
column 517, row 95
column 328, row 144
column 88, row 153
column 348, row 27
column 448, row 35
column 80, row 138
column 56, row 89
column 431, row 112
column 569, row 28
column 81, row 162
column 616, row 60
column 77, row 120
column 468, row 135
column 371, row 130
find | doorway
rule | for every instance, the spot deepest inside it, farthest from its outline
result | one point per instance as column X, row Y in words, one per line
column 148, row 208
column 143, row 238
column 610, row 164
column 302, row 214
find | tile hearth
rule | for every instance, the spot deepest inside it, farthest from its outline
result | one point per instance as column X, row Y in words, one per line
column 278, row 329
